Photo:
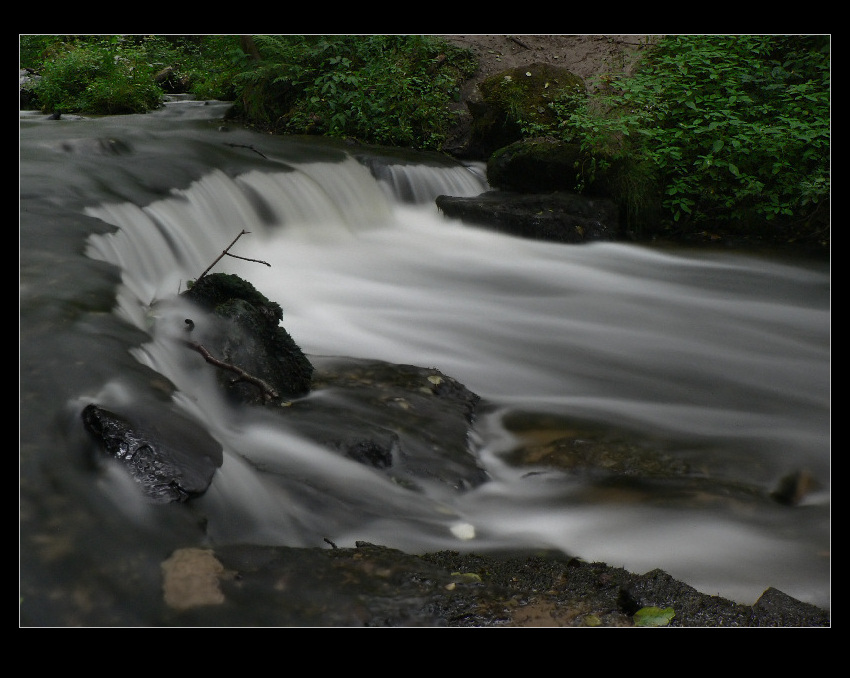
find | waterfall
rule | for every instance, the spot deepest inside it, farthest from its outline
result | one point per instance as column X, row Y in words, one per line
column 720, row 359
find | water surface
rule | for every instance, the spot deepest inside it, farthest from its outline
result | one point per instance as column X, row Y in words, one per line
column 722, row 360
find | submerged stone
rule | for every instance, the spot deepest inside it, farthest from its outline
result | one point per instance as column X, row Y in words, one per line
column 411, row 423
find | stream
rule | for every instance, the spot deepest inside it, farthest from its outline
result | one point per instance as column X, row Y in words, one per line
column 721, row 359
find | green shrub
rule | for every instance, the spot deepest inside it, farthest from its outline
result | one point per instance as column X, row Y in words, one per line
column 735, row 128
column 32, row 49
column 103, row 76
column 383, row 89
column 209, row 62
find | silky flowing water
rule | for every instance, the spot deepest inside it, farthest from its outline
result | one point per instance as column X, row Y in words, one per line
column 720, row 359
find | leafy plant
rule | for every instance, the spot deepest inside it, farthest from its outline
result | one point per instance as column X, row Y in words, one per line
column 388, row 89
column 105, row 75
column 385, row 89
column 33, row 49
column 736, row 128
column 209, row 62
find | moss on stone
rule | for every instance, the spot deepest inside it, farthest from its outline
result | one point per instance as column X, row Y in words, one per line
column 526, row 92
column 518, row 97
column 536, row 166
column 216, row 289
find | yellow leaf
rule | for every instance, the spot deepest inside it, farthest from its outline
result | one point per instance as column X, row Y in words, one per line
column 653, row 616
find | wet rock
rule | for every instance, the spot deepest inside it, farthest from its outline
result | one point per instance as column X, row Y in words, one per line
column 794, row 487
column 169, row 456
column 376, row 451
column 103, row 146
column 259, row 361
column 557, row 217
column 622, row 467
column 775, row 608
column 409, row 422
column 372, row 585
column 412, row 423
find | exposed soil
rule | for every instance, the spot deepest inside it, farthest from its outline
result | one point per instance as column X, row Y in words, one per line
column 584, row 55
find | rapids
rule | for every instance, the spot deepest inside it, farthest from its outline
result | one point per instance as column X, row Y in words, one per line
column 721, row 358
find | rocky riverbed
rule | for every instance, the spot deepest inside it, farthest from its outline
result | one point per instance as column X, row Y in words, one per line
column 413, row 423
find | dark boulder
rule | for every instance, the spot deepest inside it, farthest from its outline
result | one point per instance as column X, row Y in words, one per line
column 171, row 457
column 558, row 217
column 261, row 363
column 536, row 166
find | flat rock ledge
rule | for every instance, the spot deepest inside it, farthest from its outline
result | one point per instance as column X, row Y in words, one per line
column 556, row 217
column 372, row 585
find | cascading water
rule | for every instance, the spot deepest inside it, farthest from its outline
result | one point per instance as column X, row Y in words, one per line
column 721, row 359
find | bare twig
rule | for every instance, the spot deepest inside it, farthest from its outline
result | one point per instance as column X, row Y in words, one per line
column 256, row 261
column 226, row 253
column 251, row 148
column 268, row 392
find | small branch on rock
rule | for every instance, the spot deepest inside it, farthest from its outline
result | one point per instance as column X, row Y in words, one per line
column 226, row 253
column 256, row 261
column 241, row 233
column 268, row 392
column 248, row 146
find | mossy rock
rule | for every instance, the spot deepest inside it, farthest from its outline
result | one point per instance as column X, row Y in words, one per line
column 546, row 164
column 536, row 166
column 515, row 94
column 243, row 330
column 216, row 289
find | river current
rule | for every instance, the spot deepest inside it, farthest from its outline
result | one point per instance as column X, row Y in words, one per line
column 721, row 358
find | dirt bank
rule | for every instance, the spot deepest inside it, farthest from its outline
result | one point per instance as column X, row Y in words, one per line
column 584, row 55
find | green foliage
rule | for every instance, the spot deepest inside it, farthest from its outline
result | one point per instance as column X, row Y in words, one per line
column 395, row 90
column 101, row 75
column 384, row 89
column 32, row 49
column 210, row 62
column 736, row 128
column 525, row 93
column 115, row 74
